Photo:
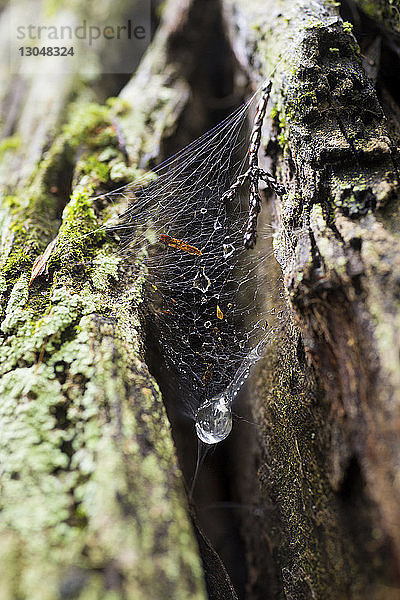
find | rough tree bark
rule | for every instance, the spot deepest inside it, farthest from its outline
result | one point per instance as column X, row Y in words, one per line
column 91, row 495
column 92, row 501
column 384, row 12
column 328, row 397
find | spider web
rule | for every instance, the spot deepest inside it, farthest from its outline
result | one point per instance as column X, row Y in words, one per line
column 202, row 303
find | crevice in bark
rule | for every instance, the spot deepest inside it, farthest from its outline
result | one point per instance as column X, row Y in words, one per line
column 205, row 59
column 379, row 48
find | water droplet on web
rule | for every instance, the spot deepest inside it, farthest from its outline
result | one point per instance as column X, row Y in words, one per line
column 201, row 281
column 203, row 211
column 207, row 324
column 229, row 249
column 214, row 420
column 217, row 224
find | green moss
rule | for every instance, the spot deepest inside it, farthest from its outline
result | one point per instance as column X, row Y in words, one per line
column 88, row 463
column 33, row 217
column 282, row 139
column 107, row 154
column 79, row 427
column 86, row 122
column 273, row 113
column 348, row 27
column 25, row 235
column 79, row 231
column 91, row 129
column 97, row 170
column 10, row 202
column 32, row 214
column 99, row 491
column 10, row 143
column 91, row 124
column 298, row 485
column 119, row 106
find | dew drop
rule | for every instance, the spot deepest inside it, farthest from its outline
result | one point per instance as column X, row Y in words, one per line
column 217, row 224
column 207, row 324
column 214, row 420
column 201, row 281
column 203, row 211
column 229, row 249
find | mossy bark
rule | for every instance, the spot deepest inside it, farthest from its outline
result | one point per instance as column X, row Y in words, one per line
column 328, row 395
column 385, row 12
column 92, row 499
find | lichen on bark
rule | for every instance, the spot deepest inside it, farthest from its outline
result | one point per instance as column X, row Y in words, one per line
column 92, row 497
column 92, row 500
column 330, row 391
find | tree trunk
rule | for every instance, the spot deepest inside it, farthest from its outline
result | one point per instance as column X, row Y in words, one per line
column 92, row 499
column 328, row 395
column 385, row 12
column 91, row 494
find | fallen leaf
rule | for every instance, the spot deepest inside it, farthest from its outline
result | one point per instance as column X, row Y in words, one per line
column 40, row 264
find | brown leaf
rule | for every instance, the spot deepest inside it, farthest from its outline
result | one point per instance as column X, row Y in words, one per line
column 40, row 264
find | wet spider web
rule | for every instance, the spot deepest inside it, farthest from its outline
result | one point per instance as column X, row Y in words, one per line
column 202, row 305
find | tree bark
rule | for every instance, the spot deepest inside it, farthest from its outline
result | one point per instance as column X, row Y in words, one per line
column 91, row 494
column 92, row 499
column 384, row 12
column 328, row 395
